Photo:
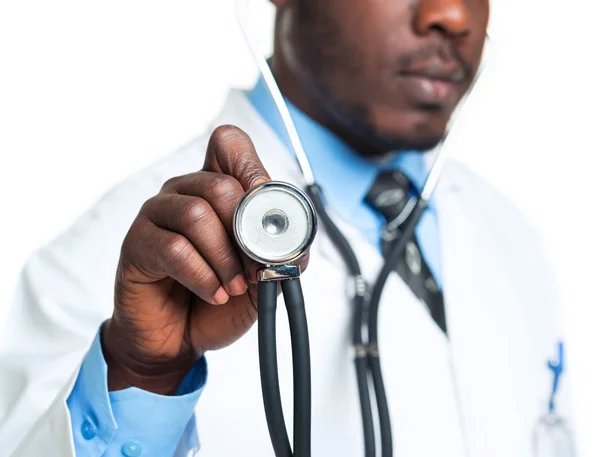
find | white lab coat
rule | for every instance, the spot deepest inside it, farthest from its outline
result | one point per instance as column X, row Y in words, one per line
column 501, row 307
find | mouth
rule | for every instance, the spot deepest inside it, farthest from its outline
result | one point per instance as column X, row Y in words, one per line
column 451, row 74
column 435, row 85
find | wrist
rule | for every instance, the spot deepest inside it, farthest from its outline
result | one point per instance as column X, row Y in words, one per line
column 128, row 365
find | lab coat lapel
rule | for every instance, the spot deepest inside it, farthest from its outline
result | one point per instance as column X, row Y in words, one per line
column 489, row 342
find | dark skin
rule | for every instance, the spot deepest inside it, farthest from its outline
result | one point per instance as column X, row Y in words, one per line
column 354, row 66
column 382, row 75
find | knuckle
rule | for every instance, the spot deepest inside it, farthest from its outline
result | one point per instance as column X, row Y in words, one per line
column 224, row 256
column 178, row 250
column 195, row 212
column 205, row 278
column 208, row 280
column 226, row 187
column 148, row 206
column 170, row 183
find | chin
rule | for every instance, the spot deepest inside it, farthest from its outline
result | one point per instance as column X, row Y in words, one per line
column 420, row 137
column 423, row 144
column 376, row 132
column 419, row 144
column 408, row 130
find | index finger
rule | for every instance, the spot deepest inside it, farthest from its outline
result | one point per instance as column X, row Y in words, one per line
column 231, row 151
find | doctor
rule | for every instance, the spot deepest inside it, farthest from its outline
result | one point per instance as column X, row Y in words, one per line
column 163, row 360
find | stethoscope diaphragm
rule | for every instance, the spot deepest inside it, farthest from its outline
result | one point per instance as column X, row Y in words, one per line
column 275, row 223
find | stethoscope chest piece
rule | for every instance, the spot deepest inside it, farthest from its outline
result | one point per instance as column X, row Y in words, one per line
column 275, row 223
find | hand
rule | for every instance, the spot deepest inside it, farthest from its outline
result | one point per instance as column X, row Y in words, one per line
column 182, row 286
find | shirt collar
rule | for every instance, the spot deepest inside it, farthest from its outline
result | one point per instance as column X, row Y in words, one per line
column 343, row 174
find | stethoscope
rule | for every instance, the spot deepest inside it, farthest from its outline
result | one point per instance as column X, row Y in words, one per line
column 275, row 224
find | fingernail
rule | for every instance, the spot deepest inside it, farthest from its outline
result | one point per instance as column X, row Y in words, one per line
column 237, row 286
column 221, row 297
column 259, row 181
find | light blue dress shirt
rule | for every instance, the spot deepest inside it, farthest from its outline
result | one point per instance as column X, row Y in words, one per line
column 129, row 422
column 134, row 423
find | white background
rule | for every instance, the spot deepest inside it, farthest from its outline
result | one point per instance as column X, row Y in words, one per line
column 92, row 91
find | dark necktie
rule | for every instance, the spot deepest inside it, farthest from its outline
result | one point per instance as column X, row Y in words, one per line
column 391, row 197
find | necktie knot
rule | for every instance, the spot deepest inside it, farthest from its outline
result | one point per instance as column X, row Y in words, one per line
column 391, row 195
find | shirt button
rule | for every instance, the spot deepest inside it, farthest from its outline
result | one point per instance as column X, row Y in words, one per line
column 132, row 449
column 88, row 430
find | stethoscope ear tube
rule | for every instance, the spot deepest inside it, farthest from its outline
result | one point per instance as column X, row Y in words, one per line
column 374, row 362
column 366, row 311
column 359, row 303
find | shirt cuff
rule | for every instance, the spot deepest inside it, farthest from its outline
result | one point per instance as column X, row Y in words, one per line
column 131, row 422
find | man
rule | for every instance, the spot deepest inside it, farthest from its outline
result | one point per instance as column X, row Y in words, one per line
column 467, row 320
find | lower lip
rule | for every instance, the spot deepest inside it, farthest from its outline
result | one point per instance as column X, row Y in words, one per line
column 431, row 90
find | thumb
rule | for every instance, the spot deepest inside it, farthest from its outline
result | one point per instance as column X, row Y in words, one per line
column 230, row 151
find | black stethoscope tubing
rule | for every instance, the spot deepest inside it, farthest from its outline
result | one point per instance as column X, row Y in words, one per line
column 366, row 312
column 367, row 360
column 267, row 349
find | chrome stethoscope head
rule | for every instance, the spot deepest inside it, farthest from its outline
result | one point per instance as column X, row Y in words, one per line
column 275, row 223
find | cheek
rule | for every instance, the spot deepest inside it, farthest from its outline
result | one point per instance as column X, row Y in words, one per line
column 367, row 42
column 379, row 32
column 480, row 15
